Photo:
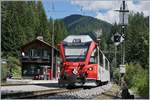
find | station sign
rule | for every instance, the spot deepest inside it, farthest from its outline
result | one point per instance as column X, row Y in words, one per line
column 122, row 69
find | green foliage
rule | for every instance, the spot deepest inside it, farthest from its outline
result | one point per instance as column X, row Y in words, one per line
column 43, row 23
column 22, row 21
column 137, row 41
column 116, row 74
column 136, row 49
column 4, row 70
column 77, row 24
column 60, row 31
column 137, row 79
column 15, row 66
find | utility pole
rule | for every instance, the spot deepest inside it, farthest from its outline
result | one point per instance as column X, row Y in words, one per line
column 52, row 51
column 115, row 56
column 123, row 32
column 123, row 22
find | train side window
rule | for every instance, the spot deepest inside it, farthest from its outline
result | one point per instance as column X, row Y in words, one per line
column 93, row 58
column 100, row 58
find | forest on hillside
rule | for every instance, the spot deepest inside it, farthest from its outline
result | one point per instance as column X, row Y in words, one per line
column 78, row 24
column 23, row 21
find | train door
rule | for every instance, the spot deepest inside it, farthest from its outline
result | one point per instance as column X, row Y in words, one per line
column 93, row 62
column 100, row 64
column 98, row 68
column 106, row 69
column 102, row 69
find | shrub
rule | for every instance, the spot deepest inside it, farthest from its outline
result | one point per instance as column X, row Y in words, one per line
column 4, row 71
column 15, row 66
column 116, row 74
column 137, row 79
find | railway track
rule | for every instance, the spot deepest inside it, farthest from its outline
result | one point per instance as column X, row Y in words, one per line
column 34, row 94
column 78, row 92
column 86, row 92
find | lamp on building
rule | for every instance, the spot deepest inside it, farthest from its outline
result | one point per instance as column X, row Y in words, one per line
column 23, row 54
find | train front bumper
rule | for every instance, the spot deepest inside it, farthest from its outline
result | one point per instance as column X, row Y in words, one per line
column 75, row 79
column 69, row 79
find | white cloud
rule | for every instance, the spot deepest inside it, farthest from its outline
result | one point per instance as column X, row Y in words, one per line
column 111, row 16
column 93, row 5
column 143, row 6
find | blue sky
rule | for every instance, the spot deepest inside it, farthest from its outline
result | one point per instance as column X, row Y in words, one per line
column 63, row 8
column 101, row 9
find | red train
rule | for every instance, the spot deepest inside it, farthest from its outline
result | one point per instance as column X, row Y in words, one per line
column 82, row 61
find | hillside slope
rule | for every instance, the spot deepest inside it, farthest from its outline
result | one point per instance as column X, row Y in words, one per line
column 78, row 24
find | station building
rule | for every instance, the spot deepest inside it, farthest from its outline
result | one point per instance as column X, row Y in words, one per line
column 36, row 60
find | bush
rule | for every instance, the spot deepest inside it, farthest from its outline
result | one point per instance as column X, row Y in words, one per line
column 4, row 71
column 15, row 66
column 137, row 79
column 116, row 74
column 141, row 83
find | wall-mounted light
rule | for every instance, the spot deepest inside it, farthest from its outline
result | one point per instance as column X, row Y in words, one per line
column 23, row 54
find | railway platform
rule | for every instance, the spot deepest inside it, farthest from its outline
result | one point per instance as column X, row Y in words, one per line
column 27, row 86
column 28, row 81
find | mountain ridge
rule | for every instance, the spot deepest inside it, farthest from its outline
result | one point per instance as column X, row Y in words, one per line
column 78, row 24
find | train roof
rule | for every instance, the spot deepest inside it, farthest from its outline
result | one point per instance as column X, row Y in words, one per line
column 78, row 38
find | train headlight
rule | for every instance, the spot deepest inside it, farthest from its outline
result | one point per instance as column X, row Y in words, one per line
column 75, row 71
column 90, row 68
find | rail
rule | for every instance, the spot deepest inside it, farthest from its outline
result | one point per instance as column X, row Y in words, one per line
column 32, row 94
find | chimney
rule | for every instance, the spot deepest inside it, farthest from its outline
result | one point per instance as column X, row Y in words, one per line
column 40, row 38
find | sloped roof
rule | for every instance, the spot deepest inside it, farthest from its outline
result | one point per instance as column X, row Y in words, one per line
column 35, row 40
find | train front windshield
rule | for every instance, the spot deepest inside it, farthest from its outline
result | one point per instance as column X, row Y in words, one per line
column 75, row 53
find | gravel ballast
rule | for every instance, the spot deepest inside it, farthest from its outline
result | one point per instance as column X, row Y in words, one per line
column 83, row 93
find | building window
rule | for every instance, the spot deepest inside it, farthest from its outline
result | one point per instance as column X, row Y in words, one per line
column 39, row 52
column 35, row 52
column 32, row 69
column 45, row 53
column 31, row 52
column 26, row 53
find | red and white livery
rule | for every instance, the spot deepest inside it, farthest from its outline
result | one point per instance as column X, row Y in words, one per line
column 82, row 61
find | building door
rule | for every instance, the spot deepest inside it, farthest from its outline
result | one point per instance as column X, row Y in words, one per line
column 45, row 72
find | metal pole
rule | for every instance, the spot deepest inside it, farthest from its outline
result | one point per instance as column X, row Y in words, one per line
column 123, row 62
column 123, row 34
column 52, row 57
column 115, row 56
